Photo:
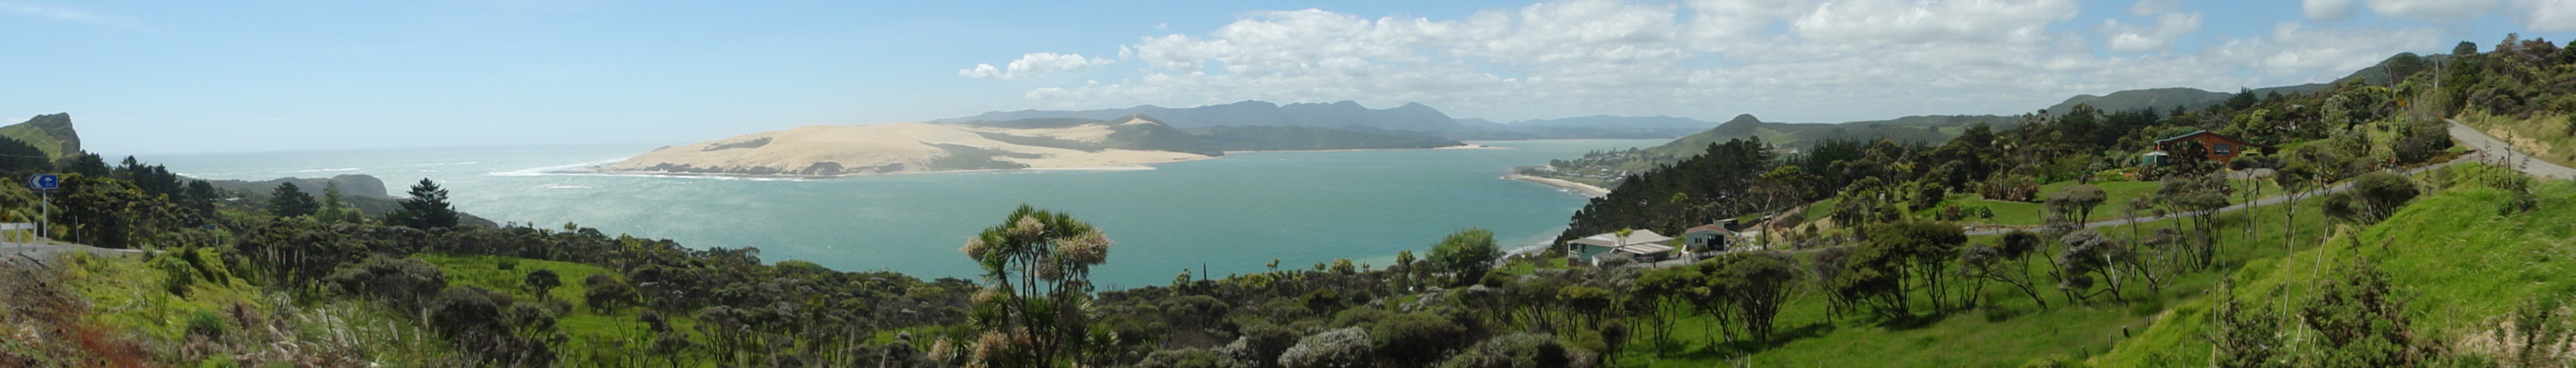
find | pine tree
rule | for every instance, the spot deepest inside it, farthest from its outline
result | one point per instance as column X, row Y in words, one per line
column 289, row 201
column 427, row 208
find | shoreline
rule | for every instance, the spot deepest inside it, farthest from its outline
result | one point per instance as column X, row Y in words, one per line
column 1587, row 190
column 1456, row 147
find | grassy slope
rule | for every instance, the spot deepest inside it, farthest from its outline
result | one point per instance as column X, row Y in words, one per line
column 35, row 137
column 2016, row 331
column 126, row 294
column 593, row 334
column 2455, row 260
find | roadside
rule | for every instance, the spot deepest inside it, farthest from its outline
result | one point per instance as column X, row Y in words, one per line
column 2505, row 154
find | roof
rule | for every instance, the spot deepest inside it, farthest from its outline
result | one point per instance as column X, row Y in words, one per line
column 2161, row 142
column 1648, row 248
column 1704, row 228
column 1612, row 240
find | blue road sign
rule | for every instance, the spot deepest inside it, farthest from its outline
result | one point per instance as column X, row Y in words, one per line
column 45, row 181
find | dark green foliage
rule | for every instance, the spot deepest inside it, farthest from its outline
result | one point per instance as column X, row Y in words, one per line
column 2373, row 197
column 19, row 159
column 1682, row 195
column 2244, row 334
column 478, row 321
column 408, row 284
column 112, row 213
column 426, row 209
column 1465, row 254
column 605, row 294
column 289, row 201
column 1520, row 350
column 541, row 282
column 1416, row 339
column 2076, row 203
column 2421, row 140
column 206, row 324
column 2361, row 322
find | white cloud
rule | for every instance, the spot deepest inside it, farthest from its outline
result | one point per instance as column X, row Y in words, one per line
column 2328, row 10
column 2435, row 10
column 1036, row 64
column 2293, row 47
column 2152, row 7
column 2131, row 38
column 67, row 14
column 1907, row 21
column 1788, row 60
column 2548, row 15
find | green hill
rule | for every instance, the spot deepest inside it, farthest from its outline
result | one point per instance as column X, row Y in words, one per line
column 50, row 132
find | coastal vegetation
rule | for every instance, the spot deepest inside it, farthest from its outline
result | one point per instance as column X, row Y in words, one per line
column 2363, row 238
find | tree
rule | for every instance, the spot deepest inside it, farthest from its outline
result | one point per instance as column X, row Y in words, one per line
column 289, row 201
column 1037, row 275
column 2078, row 201
column 2007, row 262
column 1757, row 283
column 2373, row 197
column 605, row 294
column 426, row 209
column 1465, row 254
column 541, row 281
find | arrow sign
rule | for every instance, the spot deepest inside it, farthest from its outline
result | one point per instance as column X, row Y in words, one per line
column 45, row 181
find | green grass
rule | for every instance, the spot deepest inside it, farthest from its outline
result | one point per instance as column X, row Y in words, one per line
column 35, row 137
column 2456, row 261
column 126, row 293
column 2010, row 332
column 595, row 337
column 2116, row 204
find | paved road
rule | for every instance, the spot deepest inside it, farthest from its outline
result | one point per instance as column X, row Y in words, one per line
column 2487, row 149
column 2496, row 150
column 20, row 252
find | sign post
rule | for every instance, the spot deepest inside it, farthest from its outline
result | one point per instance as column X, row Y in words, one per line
column 44, row 185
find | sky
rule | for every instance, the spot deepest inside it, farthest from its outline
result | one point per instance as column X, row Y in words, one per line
column 145, row 77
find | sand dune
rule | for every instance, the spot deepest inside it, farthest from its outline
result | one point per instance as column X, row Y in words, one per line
column 828, row 150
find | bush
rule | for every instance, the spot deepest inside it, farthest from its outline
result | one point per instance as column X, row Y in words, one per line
column 207, row 324
column 1342, row 348
column 1520, row 350
column 1416, row 339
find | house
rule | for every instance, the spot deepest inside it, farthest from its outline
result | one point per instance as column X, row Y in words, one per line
column 1644, row 245
column 1705, row 238
column 2220, row 147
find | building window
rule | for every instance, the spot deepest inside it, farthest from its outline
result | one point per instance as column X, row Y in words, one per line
column 2223, row 148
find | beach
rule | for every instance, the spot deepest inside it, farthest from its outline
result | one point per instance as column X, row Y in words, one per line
column 1586, row 190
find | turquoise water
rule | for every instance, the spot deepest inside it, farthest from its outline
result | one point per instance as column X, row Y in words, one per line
column 1229, row 215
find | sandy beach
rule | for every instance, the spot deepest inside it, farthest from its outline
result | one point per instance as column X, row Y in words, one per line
column 1586, row 190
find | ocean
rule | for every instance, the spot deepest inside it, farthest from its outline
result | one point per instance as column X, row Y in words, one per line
column 1228, row 215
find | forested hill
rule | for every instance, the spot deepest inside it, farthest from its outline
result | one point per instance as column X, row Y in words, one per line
column 1606, row 168
column 51, row 133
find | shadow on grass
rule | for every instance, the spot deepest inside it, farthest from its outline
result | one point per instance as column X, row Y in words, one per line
column 1711, row 350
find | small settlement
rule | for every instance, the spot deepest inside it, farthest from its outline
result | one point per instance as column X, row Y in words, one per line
column 1647, row 246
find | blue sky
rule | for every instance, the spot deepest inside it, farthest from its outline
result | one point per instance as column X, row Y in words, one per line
column 173, row 77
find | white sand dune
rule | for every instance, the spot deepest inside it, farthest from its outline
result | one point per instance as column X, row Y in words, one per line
column 823, row 150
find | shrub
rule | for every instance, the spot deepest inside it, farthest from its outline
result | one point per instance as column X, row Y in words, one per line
column 1342, row 348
